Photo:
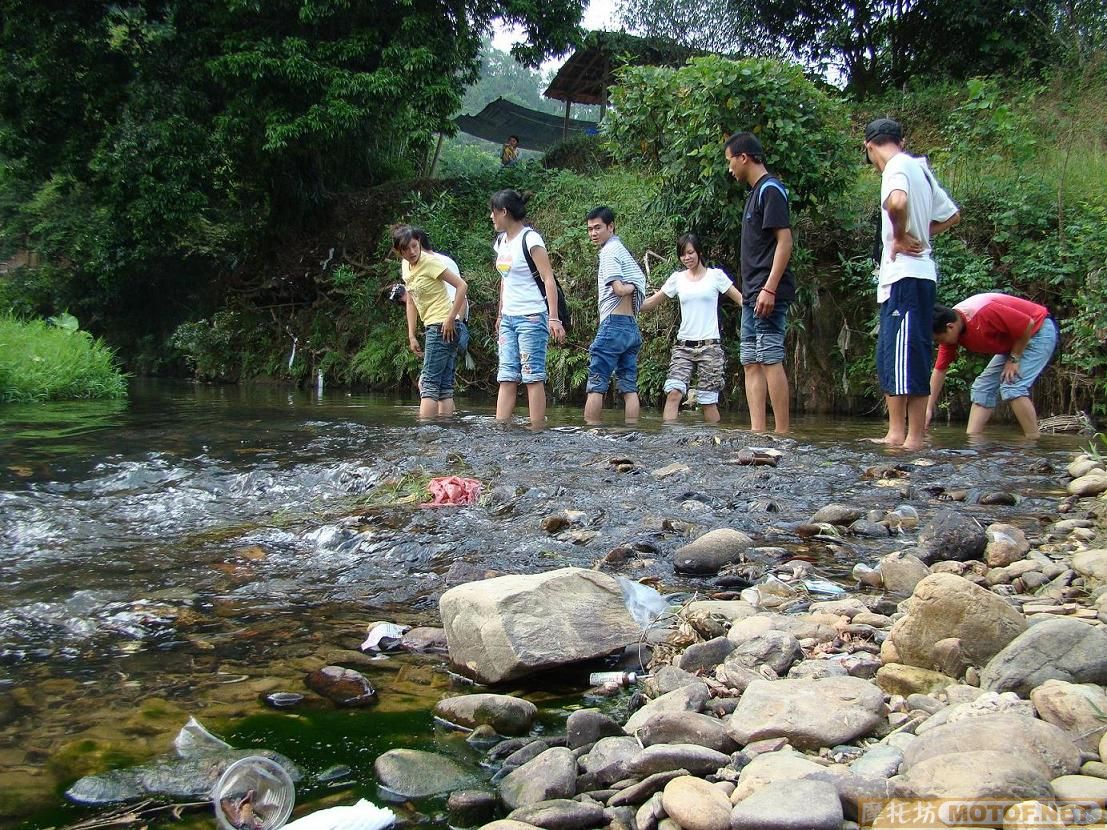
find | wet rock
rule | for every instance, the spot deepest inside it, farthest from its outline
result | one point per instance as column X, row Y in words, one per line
column 698, row 760
column 644, row 789
column 704, row 657
column 868, row 529
column 506, row 714
column 837, row 514
column 586, row 726
column 504, row 824
column 1082, row 465
column 670, row 470
column 710, row 552
column 810, row 713
column 461, row 572
column 524, row 754
column 898, row 679
column 1017, row 735
column 609, row 759
column 792, row 805
column 975, row 775
column 1078, row 708
column 946, row 606
column 901, row 572
column 510, row 626
column 951, row 535
column 483, row 736
column 1006, row 544
column 424, row 639
column 470, row 808
column 689, row 698
column 686, row 728
column 1000, row 497
column 560, row 814
column 553, row 774
column 696, row 805
column 412, row 773
column 345, row 687
column 1091, row 484
column 1060, row 649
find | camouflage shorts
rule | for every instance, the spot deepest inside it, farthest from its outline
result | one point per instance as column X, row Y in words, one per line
column 708, row 362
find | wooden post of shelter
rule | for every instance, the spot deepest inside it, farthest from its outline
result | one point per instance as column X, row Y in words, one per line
column 565, row 123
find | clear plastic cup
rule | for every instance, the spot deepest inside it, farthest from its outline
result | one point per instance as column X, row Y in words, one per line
column 254, row 793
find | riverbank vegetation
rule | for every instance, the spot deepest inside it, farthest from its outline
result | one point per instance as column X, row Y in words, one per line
column 49, row 361
column 249, row 241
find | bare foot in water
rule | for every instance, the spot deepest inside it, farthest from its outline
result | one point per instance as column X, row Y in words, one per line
column 887, row 440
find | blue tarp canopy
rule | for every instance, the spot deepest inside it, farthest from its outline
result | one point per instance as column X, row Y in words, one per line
column 536, row 130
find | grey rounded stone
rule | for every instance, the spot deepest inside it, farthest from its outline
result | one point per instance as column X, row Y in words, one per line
column 506, row 714
column 412, row 773
column 790, row 805
column 561, row 814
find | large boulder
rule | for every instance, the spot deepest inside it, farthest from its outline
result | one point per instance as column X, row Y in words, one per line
column 1092, row 565
column 709, row 553
column 1060, row 649
column 412, row 773
column 696, row 805
column 1018, row 735
column 690, row 698
column 686, row 728
column 506, row 714
column 510, row 626
column 782, row 765
column 810, row 713
column 944, row 606
column 951, row 536
column 975, row 775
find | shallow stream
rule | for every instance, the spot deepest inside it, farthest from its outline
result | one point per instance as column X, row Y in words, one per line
column 192, row 549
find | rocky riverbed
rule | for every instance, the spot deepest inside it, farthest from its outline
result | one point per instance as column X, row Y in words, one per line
column 239, row 600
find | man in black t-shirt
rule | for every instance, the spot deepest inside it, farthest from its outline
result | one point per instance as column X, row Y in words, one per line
column 768, row 285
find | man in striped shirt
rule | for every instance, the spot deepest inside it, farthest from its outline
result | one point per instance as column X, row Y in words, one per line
column 621, row 289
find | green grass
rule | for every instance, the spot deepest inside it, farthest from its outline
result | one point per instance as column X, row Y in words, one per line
column 40, row 362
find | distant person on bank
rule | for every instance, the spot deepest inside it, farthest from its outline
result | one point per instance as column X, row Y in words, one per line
column 426, row 276
column 913, row 209
column 526, row 320
column 1023, row 337
column 698, row 347
column 620, row 292
column 509, row 155
column 768, row 284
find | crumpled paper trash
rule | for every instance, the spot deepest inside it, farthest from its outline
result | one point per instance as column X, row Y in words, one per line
column 453, row 490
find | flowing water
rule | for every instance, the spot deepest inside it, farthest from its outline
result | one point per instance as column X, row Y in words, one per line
column 193, row 549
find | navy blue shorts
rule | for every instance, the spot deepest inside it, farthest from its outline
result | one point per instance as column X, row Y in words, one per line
column 904, row 349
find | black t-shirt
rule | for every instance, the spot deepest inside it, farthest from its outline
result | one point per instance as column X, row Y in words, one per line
column 765, row 211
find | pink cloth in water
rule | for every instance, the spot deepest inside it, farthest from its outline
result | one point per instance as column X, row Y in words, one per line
column 453, row 490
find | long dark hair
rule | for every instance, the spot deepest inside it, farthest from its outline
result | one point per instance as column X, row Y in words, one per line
column 511, row 201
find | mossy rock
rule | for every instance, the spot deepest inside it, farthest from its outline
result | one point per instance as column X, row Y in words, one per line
column 88, row 756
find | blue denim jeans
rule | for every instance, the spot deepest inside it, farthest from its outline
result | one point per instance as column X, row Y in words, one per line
column 522, row 347
column 763, row 337
column 439, row 361
column 989, row 385
column 615, row 350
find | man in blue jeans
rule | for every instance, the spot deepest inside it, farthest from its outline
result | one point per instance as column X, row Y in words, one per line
column 768, row 284
column 622, row 287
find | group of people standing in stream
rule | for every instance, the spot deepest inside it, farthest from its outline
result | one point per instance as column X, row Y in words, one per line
column 531, row 311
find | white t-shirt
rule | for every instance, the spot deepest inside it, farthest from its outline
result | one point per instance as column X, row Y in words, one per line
column 699, row 302
column 926, row 202
column 520, row 292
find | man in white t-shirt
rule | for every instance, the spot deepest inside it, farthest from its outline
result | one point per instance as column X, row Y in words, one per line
column 913, row 209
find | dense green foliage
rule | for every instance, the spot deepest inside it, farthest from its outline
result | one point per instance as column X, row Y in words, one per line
column 41, row 361
column 147, row 147
column 874, row 45
column 675, row 122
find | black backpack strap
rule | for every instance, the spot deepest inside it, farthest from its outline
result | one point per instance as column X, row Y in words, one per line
column 541, row 283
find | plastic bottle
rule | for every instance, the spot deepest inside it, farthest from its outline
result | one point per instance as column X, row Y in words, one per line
column 618, row 678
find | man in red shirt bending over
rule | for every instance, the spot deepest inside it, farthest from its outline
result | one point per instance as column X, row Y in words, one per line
column 1022, row 335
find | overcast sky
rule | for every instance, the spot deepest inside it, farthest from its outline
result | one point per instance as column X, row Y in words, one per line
column 600, row 14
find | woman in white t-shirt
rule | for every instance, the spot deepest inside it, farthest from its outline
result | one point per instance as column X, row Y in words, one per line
column 698, row 346
column 526, row 319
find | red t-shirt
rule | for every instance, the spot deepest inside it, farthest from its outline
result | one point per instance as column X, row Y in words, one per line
column 993, row 322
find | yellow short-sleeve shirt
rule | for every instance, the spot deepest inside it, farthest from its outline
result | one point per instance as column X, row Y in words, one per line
column 426, row 288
